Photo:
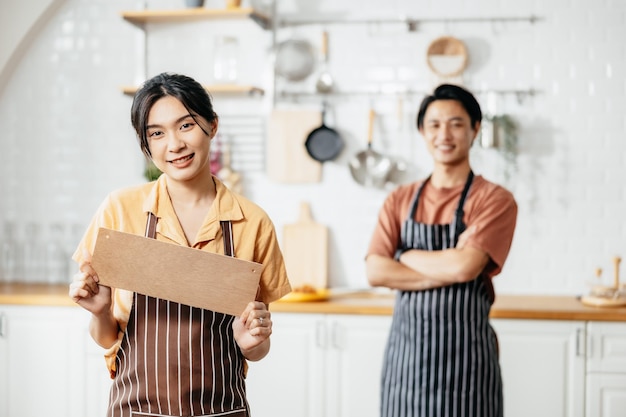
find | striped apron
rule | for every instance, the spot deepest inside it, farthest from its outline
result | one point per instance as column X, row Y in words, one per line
column 441, row 358
column 177, row 360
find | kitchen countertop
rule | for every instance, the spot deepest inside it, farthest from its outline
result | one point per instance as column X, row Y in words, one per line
column 359, row 302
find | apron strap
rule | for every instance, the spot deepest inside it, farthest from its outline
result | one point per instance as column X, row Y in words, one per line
column 151, row 225
column 227, row 231
column 458, row 215
column 416, row 199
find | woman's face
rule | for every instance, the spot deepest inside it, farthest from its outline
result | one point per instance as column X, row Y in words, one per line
column 448, row 132
column 178, row 145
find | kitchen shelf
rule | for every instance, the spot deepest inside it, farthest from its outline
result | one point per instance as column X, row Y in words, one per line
column 141, row 17
column 214, row 89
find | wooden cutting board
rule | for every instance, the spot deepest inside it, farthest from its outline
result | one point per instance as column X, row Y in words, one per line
column 287, row 160
column 305, row 249
column 176, row 273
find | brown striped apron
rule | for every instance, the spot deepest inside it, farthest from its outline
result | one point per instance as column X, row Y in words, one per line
column 441, row 358
column 178, row 360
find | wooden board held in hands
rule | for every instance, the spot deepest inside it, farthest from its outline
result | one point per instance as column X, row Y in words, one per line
column 176, row 273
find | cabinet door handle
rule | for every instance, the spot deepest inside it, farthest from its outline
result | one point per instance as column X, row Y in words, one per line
column 589, row 347
column 3, row 324
column 321, row 338
column 336, row 335
column 581, row 345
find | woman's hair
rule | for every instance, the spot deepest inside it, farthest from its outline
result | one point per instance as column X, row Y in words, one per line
column 452, row 92
column 187, row 90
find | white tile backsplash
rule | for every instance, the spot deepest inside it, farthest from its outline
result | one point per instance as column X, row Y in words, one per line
column 67, row 139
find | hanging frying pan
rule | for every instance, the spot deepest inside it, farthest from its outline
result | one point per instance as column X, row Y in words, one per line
column 324, row 143
column 370, row 168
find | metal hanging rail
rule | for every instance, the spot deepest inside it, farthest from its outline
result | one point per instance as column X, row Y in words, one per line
column 519, row 94
column 412, row 23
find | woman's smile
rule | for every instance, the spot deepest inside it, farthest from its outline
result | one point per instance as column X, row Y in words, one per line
column 182, row 161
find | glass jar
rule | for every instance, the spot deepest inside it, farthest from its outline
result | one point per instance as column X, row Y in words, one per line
column 56, row 265
column 10, row 257
column 226, row 59
column 33, row 254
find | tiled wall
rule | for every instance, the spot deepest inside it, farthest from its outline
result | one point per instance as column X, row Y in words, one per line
column 67, row 139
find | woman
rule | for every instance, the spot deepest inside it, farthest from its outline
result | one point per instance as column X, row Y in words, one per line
column 165, row 358
column 439, row 242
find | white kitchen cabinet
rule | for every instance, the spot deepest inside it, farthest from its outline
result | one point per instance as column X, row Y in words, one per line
column 543, row 367
column 43, row 362
column 320, row 366
column 41, row 365
column 606, row 369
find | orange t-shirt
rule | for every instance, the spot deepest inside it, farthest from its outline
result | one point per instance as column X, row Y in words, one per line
column 488, row 206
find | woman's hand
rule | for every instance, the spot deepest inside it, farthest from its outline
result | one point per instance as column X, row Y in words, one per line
column 252, row 331
column 85, row 290
column 96, row 299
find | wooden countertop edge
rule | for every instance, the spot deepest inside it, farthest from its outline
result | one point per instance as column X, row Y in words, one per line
column 35, row 294
column 600, row 315
column 361, row 302
column 329, row 307
column 40, row 300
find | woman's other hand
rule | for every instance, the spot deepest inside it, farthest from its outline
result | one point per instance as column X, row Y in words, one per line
column 252, row 330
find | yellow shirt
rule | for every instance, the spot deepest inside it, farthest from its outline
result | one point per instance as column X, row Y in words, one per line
column 254, row 237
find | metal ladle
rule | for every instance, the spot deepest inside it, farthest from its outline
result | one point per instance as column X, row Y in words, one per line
column 325, row 82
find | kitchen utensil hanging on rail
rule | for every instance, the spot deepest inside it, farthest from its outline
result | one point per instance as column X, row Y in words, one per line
column 295, row 59
column 325, row 82
column 324, row 143
column 447, row 58
column 370, row 168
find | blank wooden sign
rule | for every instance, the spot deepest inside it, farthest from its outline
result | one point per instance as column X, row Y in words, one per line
column 176, row 273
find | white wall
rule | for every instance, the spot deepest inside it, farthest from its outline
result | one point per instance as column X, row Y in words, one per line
column 18, row 21
column 67, row 139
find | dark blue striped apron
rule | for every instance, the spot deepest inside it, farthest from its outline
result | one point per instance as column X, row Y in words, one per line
column 441, row 358
column 178, row 360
